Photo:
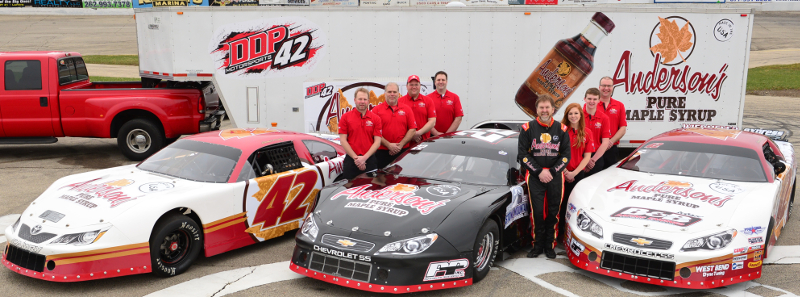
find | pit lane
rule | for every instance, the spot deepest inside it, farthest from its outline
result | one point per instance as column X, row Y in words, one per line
column 27, row 170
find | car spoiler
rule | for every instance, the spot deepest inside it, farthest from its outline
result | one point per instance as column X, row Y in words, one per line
column 776, row 135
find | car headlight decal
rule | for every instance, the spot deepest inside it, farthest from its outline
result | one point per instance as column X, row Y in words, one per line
column 711, row 242
column 586, row 224
column 410, row 246
column 310, row 228
column 82, row 238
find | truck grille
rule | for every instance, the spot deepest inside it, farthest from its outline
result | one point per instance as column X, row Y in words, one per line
column 656, row 244
column 25, row 233
column 340, row 267
column 638, row 266
column 354, row 244
column 25, row 259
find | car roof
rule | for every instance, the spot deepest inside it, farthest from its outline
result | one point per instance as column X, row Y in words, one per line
column 489, row 139
column 728, row 137
column 249, row 139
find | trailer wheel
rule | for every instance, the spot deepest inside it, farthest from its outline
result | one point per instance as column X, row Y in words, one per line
column 485, row 249
column 139, row 138
column 175, row 243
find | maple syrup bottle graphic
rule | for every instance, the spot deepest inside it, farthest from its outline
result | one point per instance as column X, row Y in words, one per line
column 565, row 66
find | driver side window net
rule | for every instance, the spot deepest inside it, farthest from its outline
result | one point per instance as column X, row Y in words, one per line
column 275, row 159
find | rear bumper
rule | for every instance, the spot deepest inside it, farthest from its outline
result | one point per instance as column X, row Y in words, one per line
column 212, row 121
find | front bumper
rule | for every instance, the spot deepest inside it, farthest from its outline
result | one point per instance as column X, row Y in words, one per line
column 69, row 265
column 593, row 254
column 384, row 273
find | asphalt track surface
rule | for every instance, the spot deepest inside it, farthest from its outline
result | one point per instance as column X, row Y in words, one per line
column 261, row 269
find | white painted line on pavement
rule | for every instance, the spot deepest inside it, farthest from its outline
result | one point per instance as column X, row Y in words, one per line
column 231, row 281
column 784, row 254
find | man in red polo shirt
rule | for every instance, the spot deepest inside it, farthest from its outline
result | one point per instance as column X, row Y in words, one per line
column 597, row 122
column 399, row 126
column 448, row 106
column 423, row 107
column 360, row 136
column 615, row 111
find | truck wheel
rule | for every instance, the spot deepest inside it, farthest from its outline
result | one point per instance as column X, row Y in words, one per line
column 139, row 138
column 485, row 249
column 175, row 243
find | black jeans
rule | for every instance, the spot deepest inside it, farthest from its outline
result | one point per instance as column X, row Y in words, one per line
column 598, row 166
column 568, row 186
column 384, row 158
column 350, row 170
column 610, row 157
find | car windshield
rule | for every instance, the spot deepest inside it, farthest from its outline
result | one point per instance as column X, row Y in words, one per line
column 697, row 160
column 194, row 160
column 451, row 167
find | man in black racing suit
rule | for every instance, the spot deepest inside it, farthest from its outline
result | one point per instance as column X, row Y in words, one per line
column 544, row 153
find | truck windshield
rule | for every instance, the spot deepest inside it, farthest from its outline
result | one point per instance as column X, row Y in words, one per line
column 697, row 160
column 194, row 160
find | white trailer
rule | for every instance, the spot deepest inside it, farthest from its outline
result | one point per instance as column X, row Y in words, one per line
column 298, row 66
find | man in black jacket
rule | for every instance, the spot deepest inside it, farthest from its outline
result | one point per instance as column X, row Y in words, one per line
column 544, row 153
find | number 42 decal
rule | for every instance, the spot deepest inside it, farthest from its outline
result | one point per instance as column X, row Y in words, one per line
column 282, row 203
column 293, row 51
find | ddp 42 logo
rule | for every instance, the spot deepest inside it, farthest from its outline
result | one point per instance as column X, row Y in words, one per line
column 278, row 47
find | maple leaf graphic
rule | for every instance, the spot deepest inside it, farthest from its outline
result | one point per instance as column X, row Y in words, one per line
column 674, row 40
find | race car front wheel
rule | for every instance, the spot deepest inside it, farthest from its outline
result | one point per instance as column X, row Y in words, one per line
column 175, row 243
column 485, row 249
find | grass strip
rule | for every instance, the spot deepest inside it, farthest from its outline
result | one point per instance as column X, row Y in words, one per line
column 107, row 78
column 774, row 77
column 132, row 60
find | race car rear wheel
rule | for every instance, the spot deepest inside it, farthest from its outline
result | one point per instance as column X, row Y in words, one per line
column 175, row 243
column 485, row 249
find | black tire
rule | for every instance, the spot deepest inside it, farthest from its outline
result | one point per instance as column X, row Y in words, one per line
column 175, row 243
column 791, row 202
column 136, row 148
column 483, row 259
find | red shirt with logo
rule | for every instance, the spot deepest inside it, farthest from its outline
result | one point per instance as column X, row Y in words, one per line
column 360, row 130
column 448, row 108
column 598, row 124
column 615, row 111
column 577, row 149
column 397, row 120
column 423, row 108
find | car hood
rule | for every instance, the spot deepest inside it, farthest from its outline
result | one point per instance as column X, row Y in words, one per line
column 399, row 205
column 663, row 202
column 99, row 196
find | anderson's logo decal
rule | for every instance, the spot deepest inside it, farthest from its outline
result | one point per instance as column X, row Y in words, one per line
column 279, row 47
column 387, row 199
column 672, row 41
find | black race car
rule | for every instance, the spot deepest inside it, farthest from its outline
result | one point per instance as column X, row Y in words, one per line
column 434, row 219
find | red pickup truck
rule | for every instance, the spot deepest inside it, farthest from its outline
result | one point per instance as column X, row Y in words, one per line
column 48, row 94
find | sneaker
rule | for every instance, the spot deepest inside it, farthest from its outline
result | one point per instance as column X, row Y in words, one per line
column 550, row 253
column 535, row 252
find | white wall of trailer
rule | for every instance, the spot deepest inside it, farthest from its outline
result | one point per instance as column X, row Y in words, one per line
column 487, row 51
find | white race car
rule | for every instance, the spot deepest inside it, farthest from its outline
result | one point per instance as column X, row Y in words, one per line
column 210, row 192
column 690, row 208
